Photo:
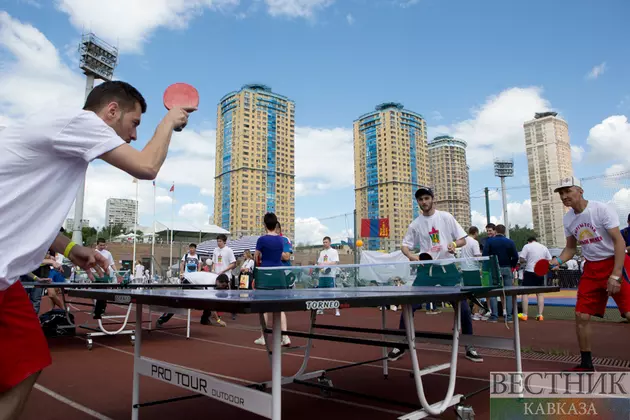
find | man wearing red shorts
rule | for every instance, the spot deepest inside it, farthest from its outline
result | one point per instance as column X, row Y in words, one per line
column 595, row 227
column 43, row 161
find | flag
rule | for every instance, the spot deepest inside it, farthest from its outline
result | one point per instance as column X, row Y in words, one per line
column 154, row 182
column 172, row 188
column 375, row 228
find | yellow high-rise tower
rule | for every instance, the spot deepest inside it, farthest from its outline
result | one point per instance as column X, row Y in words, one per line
column 390, row 163
column 255, row 161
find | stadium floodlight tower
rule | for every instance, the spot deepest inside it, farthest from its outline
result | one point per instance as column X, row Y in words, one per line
column 98, row 61
column 504, row 168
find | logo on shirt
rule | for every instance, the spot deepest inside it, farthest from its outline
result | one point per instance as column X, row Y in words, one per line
column 220, row 259
column 325, row 258
column 586, row 234
column 435, row 236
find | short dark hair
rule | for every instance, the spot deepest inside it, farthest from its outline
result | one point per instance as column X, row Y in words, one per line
column 491, row 226
column 222, row 282
column 327, row 237
column 473, row 230
column 271, row 221
column 100, row 241
column 500, row 229
column 628, row 217
column 531, row 239
column 222, row 237
column 115, row 91
column 278, row 226
column 192, row 246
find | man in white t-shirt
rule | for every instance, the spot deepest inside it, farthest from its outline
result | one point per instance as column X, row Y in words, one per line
column 595, row 227
column 55, row 150
column 471, row 269
column 533, row 252
column 327, row 275
column 101, row 248
column 223, row 260
column 438, row 234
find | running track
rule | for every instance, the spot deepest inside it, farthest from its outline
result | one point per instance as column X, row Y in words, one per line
column 96, row 384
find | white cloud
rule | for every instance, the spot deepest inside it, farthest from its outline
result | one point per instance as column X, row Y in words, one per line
column 621, row 203
column 296, row 8
column 577, row 154
column 196, row 213
column 350, row 19
column 406, row 3
column 324, row 159
column 129, row 24
column 436, row 116
column 519, row 213
column 33, row 77
column 496, row 128
column 311, row 231
column 610, row 140
column 597, row 71
column 615, row 169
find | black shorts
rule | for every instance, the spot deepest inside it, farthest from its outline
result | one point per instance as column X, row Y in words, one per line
column 531, row 279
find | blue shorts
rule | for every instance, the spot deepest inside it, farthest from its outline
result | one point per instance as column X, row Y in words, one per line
column 326, row 283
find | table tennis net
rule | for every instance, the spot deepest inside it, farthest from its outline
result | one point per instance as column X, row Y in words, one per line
column 478, row 271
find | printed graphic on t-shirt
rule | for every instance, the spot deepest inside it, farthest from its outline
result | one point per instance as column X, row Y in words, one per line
column 325, row 258
column 435, row 239
column 586, row 234
column 191, row 263
column 220, row 259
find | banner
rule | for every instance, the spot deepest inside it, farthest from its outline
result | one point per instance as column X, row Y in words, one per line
column 375, row 228
column 385, row 274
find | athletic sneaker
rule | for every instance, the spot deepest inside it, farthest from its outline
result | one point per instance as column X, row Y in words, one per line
column 337, row 313
column 286, row 341
column 580, row 369
column 260, row 341
column 471, row 354
column 396, row 354
column 522, row 317
column 540, row 318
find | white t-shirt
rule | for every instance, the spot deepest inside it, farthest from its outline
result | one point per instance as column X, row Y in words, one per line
column 105, row 253
column 329, row 255
column 249, row 264
column 470, row 251
column 532, row 253
column 191, row 263
column 433, row 234
column 42, row 163
column 572, row 265
column 221, row 259
column 590, row 230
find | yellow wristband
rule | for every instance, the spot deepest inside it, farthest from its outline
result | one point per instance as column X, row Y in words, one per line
column 68, row 249
column 454, row 244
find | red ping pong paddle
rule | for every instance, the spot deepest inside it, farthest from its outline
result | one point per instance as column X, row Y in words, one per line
column 542, row 267
column 181, row 95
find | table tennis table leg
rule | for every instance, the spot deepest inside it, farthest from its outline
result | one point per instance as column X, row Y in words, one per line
column 188, row 326
column 517, row 345
column 135, row 399
column 276, row 368
column 440, row 407
column 385, row 349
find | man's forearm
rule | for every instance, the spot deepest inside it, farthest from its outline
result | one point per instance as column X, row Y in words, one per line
column 154, row 153
column 620, row 256
column 567, row 254
column 405, row 250
column 60, row 243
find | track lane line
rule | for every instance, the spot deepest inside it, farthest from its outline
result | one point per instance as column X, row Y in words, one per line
column 73, row 404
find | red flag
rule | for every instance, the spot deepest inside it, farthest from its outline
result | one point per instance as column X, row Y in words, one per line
column 172, row 188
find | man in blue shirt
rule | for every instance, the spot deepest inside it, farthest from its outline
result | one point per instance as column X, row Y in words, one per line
column 287, row 251
column 505, row 251
column 625, row 234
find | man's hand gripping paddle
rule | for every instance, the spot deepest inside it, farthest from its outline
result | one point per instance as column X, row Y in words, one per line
column 181, row 95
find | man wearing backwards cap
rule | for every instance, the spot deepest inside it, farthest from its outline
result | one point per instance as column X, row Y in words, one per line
column 595, row 227
column 438, row 234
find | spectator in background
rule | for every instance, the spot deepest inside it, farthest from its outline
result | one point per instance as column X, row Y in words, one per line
column 223, row 260
column 505, row 251
column 533, row 252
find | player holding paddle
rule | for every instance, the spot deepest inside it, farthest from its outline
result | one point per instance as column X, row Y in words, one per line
column 55, row 150
column 595, row 227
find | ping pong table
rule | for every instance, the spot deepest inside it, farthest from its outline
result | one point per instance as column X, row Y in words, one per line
column 253, row 398
column 100, row 329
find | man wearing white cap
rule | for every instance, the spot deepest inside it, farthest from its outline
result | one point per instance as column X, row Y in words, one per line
column 595, row 227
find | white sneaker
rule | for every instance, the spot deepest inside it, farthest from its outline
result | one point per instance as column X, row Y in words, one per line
column 286, row 341
column 260, row 341
column 320, row 312
column 337, row 313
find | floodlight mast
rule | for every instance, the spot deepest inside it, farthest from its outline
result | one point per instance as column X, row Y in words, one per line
column 98, row 61
column 504, row 168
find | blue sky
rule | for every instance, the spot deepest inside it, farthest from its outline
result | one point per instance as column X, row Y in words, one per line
column 476, row 70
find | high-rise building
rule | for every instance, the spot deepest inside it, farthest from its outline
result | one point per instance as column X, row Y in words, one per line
column 70, row 224
column 390, row 162
column 120, row 211
column 449, row 177
column 548, row 160
column 255, row 159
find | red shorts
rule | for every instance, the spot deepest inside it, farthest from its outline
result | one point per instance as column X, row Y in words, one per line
column 592, row 296
column 24, row 349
